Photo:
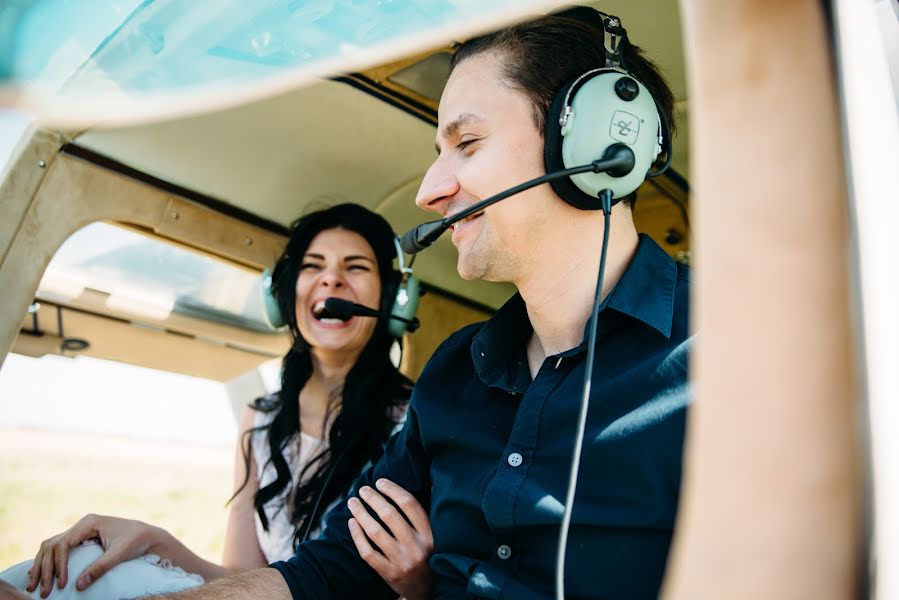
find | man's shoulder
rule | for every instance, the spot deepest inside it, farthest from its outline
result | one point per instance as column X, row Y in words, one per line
column 452, row 355
column 459, row 339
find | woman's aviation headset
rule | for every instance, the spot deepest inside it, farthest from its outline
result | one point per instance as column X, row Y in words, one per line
column 402, row 312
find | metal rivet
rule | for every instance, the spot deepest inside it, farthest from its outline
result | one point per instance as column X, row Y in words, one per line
column 247, row 242
column 504, row 552
column 173, row 216
column 41, row 164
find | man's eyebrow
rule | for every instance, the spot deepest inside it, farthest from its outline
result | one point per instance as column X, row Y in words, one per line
column 452, row 128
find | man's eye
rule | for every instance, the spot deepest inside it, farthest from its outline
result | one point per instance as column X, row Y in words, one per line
column 466, row 143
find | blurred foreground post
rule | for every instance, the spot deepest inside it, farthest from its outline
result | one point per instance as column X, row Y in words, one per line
column 771, row 501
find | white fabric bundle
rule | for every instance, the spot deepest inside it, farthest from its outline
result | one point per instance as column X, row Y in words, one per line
column 131, row 579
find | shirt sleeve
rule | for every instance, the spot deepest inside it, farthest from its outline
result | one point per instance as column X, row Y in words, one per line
column 330, row 566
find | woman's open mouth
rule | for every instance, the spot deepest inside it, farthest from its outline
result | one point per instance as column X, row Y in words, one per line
column 324, row 316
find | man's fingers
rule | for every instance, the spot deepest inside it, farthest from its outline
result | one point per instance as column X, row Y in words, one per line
column 372, row 528
column 410, row 506
column 374, row 558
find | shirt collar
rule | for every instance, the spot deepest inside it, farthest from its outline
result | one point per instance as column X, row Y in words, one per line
column 645, row 292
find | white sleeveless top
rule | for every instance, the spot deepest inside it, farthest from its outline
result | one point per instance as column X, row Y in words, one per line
column 277, row 542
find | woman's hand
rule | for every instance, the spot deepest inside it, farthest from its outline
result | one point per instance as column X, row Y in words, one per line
column 121, row 539
column 403, row 560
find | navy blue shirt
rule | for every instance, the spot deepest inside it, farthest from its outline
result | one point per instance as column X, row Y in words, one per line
column 487, row 450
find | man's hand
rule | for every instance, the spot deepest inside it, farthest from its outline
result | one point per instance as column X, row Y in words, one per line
column 8, row 592
column 405, row 549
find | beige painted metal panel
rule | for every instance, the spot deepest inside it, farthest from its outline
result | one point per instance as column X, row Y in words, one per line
column 75, row 193
column 93, row 301
column 113, row 339
column 205, row 228
column 22, row 177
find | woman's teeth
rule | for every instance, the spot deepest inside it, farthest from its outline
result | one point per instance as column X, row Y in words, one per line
column 322, row 315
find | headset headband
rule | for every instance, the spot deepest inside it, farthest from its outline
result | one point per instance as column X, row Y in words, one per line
column 613, row 35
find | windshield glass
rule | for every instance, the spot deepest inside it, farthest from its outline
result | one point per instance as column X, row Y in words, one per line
column 142, row 275
column 118, row 53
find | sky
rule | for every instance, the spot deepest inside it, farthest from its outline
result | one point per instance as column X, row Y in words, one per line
column 90, row 395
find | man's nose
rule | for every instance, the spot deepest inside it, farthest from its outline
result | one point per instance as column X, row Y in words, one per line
column 438, row 184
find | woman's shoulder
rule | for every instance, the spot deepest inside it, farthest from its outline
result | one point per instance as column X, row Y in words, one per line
column 254, row 423
column 262, row 411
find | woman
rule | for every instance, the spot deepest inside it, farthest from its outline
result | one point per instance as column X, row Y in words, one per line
column 302, row 447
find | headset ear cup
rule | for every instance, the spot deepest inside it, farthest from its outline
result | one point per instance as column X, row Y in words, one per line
column 552, row 156
column 271, row 311
column 405, row 305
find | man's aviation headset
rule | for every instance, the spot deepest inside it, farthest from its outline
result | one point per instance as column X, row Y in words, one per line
column 604, row 132
column 594, row 113
column 402, row 313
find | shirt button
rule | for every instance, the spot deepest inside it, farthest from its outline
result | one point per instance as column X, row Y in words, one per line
column 514, row 459
column 504, row 552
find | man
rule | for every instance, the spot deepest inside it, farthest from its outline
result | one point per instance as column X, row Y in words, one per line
column 488, row 442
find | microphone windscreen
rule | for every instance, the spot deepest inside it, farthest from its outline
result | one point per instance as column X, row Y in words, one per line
column 339, row 308
column 409, row 243
column 344, row 309
column 416, row 240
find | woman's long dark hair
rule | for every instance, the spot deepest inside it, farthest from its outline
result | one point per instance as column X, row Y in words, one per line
column 372, row 395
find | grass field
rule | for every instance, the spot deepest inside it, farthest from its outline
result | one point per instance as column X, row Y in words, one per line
column 49, row 480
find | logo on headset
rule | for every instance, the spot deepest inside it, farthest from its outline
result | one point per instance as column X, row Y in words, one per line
column 624, row 127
